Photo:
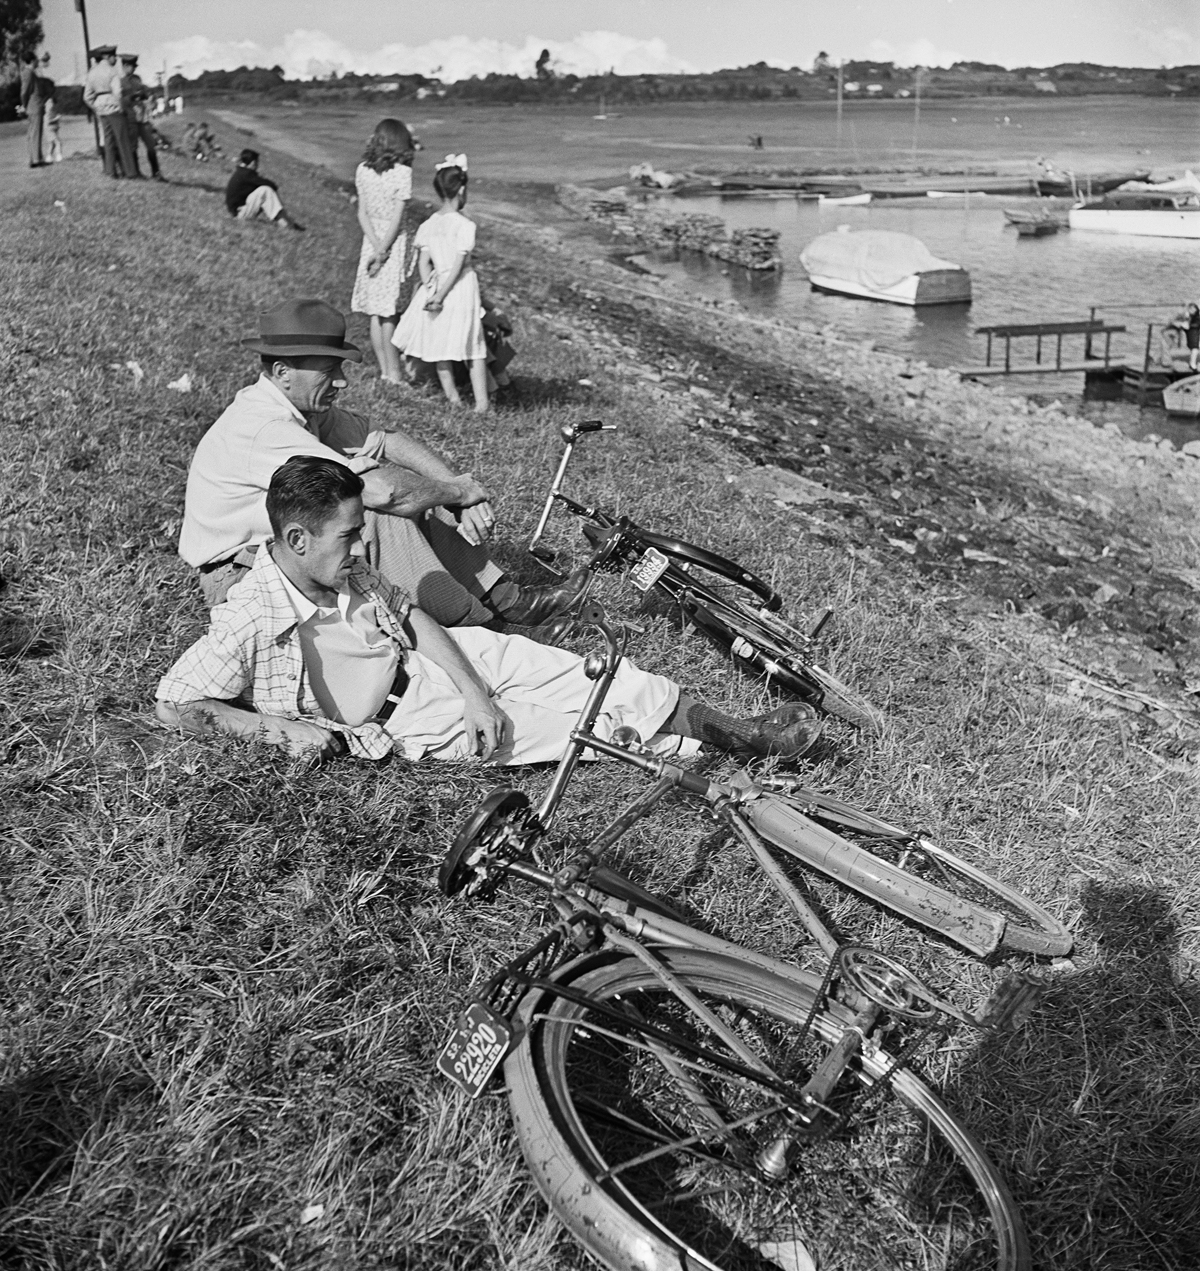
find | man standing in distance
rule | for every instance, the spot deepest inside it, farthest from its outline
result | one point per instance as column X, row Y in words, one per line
column 34, row 104
column 102, row 94
column 137, row 113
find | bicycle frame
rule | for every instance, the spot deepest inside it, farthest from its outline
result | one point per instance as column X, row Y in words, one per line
column 755, row 816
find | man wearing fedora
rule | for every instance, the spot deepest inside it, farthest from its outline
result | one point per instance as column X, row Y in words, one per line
column 102, row 92
column 426, row 527
column 317, row 652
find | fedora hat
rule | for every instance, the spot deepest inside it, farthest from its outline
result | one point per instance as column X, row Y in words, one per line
column 303, row 328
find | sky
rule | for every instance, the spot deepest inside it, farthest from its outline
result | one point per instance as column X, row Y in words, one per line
column 458, row 38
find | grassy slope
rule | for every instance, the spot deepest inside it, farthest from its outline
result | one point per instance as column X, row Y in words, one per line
column 224, row 979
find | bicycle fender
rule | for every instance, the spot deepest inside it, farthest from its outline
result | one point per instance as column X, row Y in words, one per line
column 975, row 928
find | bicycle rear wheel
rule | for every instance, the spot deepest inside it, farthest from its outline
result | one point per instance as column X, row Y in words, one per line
column 755, row 641
column 645, row 1145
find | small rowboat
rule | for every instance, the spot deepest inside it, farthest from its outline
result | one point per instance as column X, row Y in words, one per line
column 1183, row 397
column 1037, row 229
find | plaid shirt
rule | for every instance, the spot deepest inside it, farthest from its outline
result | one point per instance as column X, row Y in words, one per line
column 251, row 653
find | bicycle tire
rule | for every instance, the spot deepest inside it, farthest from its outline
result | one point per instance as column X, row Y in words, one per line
column 751, row 641
column 906, row 1184
column 930, row 886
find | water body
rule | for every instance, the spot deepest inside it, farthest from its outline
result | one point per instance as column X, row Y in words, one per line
column 1057, row 278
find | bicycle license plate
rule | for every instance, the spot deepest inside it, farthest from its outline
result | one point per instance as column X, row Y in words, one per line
column 475, row 1049
column 649, row 569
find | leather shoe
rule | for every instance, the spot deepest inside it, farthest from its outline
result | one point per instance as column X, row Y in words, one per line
column 788, row 732
column 535, row 605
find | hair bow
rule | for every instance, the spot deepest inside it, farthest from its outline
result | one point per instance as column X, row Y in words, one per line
column 452, row 161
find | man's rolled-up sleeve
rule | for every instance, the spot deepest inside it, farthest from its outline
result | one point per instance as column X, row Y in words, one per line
column 217, row 666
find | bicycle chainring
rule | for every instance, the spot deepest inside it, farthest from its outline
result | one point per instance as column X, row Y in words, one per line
column 500, row 830
column 887, row 983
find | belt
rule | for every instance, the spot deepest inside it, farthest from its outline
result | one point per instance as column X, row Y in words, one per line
column 395, row 693
column 243, row 557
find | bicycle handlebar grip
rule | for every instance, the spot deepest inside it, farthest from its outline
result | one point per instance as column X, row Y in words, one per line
column 569, row 432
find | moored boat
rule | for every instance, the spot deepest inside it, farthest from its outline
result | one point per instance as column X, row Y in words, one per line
column 1156, row 215
column 1183, row 397
column 1070, row 185
column 1037, row 228
column 883, row 265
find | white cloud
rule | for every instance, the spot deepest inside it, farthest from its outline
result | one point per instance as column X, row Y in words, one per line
column 313, row 54
column 1169, row 46
column 921, row 52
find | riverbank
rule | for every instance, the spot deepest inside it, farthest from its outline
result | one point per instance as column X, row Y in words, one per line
column 226, row 977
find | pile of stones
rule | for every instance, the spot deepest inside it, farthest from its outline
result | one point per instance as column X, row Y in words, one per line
column 656, row 226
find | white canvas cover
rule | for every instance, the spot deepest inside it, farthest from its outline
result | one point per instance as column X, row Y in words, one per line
column 1189, row 183
column 873, row 258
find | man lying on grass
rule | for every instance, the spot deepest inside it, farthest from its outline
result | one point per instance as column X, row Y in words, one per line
column 317, row 652
column 426, row 525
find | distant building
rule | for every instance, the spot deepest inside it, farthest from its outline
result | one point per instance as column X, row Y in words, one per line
column 1045, row 86
column 874, row 88
column 852, row 87
column 389, row 86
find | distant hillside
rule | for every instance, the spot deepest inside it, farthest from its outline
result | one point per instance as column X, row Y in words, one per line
column 860, row 80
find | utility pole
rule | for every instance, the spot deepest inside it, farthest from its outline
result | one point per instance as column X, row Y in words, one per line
column 81, row 9
column 840, row 64
column 916, row 109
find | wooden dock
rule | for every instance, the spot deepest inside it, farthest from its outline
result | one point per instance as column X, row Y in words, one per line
column 1090, row 366
column 1089, row 328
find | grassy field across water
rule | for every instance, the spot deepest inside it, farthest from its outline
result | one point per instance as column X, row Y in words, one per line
column 224, row 978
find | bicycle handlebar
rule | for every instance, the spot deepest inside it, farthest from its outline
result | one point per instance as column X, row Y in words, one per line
column 571, row 432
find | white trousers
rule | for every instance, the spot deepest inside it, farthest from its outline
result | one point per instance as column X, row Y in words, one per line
column 261, row 201
column 541, row 691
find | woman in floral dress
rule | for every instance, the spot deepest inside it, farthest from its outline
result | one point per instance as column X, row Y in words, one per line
column 384, row 183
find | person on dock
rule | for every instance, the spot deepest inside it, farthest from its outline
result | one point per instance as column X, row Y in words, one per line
column 384, row 183
column 34, row 104
column 318, row 653
column 442, row 323
column 137, row 113
column 102, row 94
column 249, row 195
column 1190, row 325
column 426, row 526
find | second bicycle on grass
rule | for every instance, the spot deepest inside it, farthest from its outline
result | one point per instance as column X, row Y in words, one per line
column 728, row 603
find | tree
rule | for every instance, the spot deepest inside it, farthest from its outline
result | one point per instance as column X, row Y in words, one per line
column 821, row 62
column 20, row 28
column 543, row 66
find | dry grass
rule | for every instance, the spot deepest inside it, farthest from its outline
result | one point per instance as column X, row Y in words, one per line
column 224, row 979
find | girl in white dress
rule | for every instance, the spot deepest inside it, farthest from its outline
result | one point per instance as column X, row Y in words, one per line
column 384, row 183
column 442, row 323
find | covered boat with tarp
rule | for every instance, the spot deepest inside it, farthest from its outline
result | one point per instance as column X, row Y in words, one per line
column 883, row 265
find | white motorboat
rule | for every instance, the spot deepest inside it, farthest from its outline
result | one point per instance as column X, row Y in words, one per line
column 1153, row 214
column 883, row 265
column 1183, row 397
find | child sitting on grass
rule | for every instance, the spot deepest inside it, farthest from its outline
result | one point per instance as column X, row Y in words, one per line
column 442, row 324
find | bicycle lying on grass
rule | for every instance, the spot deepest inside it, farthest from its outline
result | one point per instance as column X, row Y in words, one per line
column 685, row 1102
column 729, row 604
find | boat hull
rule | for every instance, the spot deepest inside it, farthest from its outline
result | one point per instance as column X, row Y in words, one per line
column 1183, row 397
column 1150, row 222
column 930, row 287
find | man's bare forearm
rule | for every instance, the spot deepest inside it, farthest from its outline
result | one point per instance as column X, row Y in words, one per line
column 207, row 717
column 402, row 491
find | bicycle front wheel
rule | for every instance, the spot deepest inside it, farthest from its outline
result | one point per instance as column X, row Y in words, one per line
column 644, row 1136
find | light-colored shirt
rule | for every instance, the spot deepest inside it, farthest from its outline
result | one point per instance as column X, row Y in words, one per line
column 252, row 653
column 350, row 663
column 102, row 89
column 225, row 507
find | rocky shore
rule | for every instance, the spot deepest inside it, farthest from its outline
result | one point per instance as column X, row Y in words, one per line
column 653, row 225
